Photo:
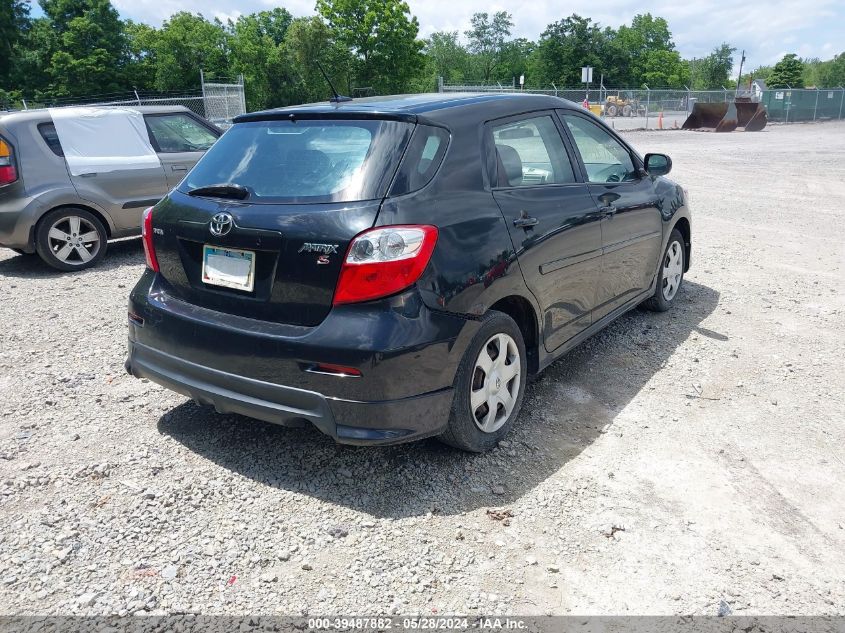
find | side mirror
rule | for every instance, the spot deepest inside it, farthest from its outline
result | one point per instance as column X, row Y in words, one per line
column 658, row 164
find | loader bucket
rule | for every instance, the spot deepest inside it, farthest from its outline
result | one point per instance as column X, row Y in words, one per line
column 729, row 121
column 751, row 116
column 726, row 117
column 705, row 115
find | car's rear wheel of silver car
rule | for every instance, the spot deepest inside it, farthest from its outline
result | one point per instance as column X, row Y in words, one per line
column 71, row 239
column 489, row 386
column 670, row 276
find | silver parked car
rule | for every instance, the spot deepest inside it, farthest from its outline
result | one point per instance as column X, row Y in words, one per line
column 66, row 209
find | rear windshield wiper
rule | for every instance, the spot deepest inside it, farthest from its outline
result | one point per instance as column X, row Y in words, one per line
column 226, row 190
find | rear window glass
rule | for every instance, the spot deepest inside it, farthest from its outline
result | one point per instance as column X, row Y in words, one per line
column 48, row 133
column 305, row 160
column 424, row 155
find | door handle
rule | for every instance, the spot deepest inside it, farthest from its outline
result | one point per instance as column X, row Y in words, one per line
column 90, row 174
column 607, row 210
column 525, row 221
column 178, row 168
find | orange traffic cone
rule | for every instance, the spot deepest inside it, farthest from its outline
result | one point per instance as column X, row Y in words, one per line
column 660, row 121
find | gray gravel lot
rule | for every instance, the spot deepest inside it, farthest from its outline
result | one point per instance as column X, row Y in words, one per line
column 672, row 463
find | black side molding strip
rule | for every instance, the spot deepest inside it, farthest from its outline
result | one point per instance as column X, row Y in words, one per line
column 557, row 264
column 629, row 242
column 135, row 204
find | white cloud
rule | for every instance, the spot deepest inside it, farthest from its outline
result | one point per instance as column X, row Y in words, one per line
column 764, row 28
column 227, row 17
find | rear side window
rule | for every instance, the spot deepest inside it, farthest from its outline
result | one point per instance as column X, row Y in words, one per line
column 48, row 133
column 531, row 152
column 421, row 161
column 305, row 160
column 179, row 133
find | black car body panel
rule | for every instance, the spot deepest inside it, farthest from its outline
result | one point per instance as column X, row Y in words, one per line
column 289, row 287
column 570, row 274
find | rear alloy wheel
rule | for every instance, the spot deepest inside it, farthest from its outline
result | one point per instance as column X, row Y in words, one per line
column 670, row 275
column 71, row 239
column 489, row 386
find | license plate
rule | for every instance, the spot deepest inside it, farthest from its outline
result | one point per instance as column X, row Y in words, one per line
column 228, row 267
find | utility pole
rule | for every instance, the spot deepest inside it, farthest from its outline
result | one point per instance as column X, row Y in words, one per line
column 739, row 78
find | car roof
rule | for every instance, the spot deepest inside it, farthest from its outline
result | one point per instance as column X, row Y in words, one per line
column 42, row 115
column 416, row 106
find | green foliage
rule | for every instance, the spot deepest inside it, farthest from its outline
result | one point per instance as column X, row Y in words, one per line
column 714, row 71
column 761, row 72
column 639, row 50
column 186, row 44
column 514, row 60
column 567, row 45
column 382, row 35
column 14, row 22
column 310, row 40
column 447, row 57
column 832, row 72
column 82, row 48
column 787, row 73
column 663, row 68
column 141, row 42
column 89, row 50
column 487, row 40
column 637, row 55
column 255, row 51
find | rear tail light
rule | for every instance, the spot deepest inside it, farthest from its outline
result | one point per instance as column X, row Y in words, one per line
column 383, row 261
column 8, row 172
column 147, row 237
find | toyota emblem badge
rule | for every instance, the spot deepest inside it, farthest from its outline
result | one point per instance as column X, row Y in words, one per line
column 221, row 224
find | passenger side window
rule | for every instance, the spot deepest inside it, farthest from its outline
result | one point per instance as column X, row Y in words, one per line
column 605, row 158
column 531, row 152
column 179, row 133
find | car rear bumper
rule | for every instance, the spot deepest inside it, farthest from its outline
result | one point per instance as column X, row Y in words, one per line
column 17, row 220
column 384, row 422
column 407, row 356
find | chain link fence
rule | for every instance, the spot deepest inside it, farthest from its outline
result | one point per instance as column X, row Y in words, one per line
column 216, row 101
column 637, row 108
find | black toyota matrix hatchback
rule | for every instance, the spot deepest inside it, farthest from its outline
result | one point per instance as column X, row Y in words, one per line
column 396, row 267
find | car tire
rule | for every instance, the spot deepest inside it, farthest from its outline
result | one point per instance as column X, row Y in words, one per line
column 71, row 239
column 670, row 275
column 496, row 353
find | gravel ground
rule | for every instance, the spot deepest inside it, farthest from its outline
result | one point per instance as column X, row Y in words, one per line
column 686, row 462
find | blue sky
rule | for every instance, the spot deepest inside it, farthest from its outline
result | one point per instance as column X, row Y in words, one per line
column 767, row 29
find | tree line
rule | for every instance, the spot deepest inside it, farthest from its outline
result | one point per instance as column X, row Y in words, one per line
column 82, row 48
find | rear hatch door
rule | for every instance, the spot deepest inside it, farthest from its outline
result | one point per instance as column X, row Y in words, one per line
column 272, row 208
